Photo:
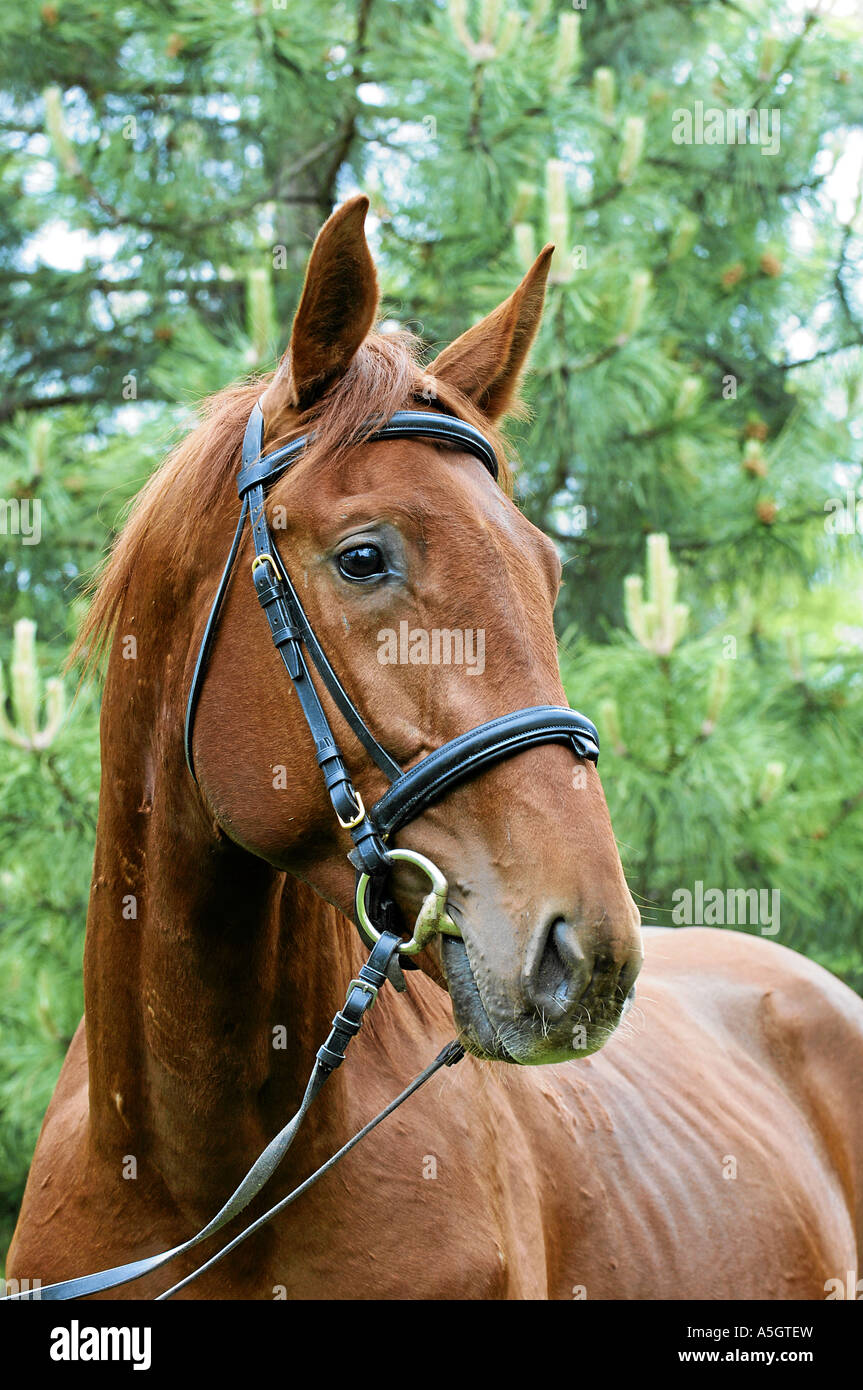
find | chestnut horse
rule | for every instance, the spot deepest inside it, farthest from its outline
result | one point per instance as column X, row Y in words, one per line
column 713, row 1147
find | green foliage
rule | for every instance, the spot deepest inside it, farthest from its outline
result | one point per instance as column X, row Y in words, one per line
column 736, row 762
column 48, row 805
column 163, row 171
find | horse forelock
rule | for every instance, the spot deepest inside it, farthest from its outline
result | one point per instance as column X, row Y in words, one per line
column 191, row 498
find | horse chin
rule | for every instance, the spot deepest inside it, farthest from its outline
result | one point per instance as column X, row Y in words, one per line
column 525, row 1041
column 476, row 1032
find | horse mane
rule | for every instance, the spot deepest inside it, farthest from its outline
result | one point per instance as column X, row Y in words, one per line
column 197, row 479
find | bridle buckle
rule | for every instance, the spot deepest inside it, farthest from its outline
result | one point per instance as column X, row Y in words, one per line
column 266, row 559
column 358, row 818
column 367, row 988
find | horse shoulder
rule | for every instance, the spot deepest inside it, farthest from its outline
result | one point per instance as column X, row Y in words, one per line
column 56, row 1172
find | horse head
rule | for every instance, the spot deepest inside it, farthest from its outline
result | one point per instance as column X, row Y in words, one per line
column 432, row 595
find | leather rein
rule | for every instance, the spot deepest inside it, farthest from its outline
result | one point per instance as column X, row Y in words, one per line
column 410, row 793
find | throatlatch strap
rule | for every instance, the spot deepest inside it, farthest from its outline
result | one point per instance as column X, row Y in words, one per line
column 296, row 626
column 207, row 640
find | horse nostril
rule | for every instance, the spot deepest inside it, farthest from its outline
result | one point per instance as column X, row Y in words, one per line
column 628, row 976
column 564, row 971
column 567, row 970
column 564, row 938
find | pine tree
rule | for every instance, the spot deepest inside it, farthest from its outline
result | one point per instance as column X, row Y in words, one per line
column 697, row 378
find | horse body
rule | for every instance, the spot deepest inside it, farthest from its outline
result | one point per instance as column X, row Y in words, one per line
column 711, row 1148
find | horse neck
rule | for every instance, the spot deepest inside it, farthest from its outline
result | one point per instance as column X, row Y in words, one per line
column 210, row 978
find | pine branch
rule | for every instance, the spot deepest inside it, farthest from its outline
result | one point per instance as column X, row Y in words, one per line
column 622, row 541
column 187, row 230
column 344, row 141
column 838, row 282
column 9, row 408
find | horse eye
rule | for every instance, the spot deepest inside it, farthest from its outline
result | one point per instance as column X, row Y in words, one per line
column 361, row 562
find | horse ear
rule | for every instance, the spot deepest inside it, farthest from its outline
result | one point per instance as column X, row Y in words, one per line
column 336, row 311
column 485, row 363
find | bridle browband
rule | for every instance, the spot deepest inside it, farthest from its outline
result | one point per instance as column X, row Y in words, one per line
column 409, row 794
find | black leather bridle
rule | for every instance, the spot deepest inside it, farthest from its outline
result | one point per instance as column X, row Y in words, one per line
column 408, row 796
column 412, row 791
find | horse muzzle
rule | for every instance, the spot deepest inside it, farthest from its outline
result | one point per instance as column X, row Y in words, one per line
column 564, row 1006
